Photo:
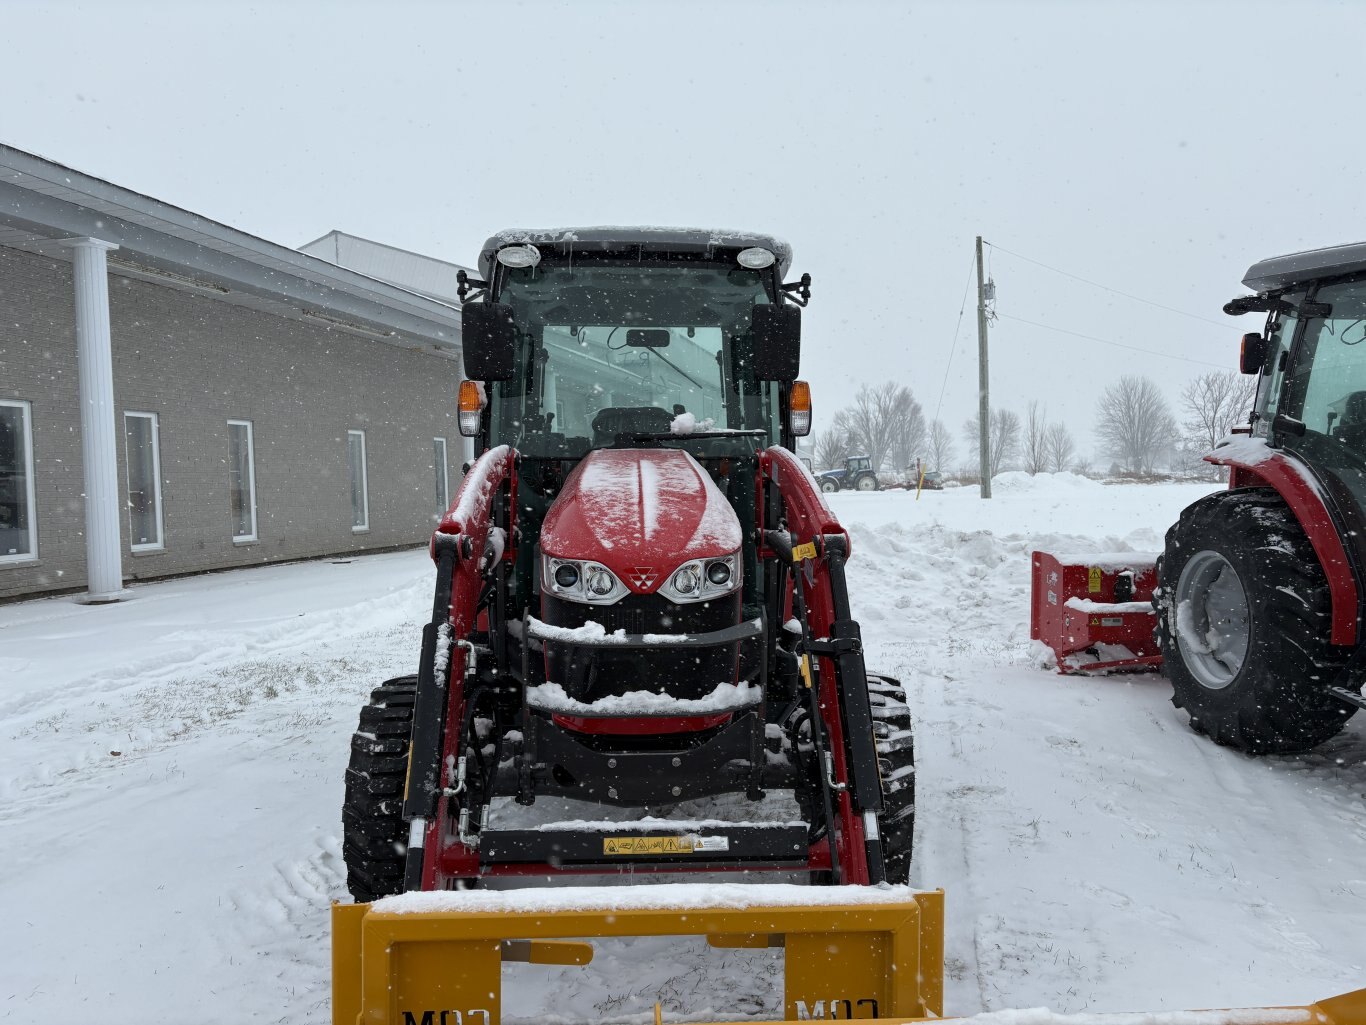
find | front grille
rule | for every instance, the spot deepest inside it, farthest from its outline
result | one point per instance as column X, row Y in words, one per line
column 590, row 673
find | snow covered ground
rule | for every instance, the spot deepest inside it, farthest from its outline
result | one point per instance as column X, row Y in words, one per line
column 171, row 770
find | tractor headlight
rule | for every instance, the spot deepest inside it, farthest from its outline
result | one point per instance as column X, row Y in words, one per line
column 600, row 582
column 576, row 580
column 703, row 579
column 687, row 580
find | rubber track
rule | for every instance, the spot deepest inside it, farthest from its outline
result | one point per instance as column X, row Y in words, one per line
column 374, row 835
column 896, row 764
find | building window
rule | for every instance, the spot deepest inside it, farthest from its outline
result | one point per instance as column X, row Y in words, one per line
column 443, row 484
column 360, row 496
column 242, row 480
column 18, row 540
column 142, row 447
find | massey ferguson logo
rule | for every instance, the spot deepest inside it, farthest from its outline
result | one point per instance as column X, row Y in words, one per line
column 642, row 578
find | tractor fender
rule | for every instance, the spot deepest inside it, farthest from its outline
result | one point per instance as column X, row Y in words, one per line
column 1253, row 463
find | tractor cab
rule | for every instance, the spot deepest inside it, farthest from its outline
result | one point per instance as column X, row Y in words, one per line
column 1311, row 395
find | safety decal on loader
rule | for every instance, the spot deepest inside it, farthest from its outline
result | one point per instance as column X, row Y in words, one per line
column 656, row 845
column 1093, row 579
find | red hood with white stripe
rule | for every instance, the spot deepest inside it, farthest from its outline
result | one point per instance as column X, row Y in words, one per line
column 641, row 513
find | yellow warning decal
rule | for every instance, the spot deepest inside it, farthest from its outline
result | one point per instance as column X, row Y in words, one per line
column 806, row 551
column 649, row 844
column 1093, row 580
column 664, row 844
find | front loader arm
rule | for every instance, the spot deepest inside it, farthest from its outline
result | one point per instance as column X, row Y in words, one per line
column 458, row 548
column 817, row 548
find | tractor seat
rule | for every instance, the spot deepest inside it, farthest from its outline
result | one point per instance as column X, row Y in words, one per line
column 615, row 420
column 1351, row 430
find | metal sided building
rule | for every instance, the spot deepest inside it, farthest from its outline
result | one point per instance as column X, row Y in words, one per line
column 178, row 396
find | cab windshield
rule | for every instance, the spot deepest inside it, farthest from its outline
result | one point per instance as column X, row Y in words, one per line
column 612, row 348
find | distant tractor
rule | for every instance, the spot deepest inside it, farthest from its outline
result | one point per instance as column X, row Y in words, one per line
column 856, row 475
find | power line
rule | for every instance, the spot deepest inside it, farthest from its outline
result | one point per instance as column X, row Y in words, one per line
column 954, row 347
column 1117, row 345
column 1107, row 288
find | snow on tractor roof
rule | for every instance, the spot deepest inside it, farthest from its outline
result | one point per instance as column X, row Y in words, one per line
column 605, row 238
column 1279, row 272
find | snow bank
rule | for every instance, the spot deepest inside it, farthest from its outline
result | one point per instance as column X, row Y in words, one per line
column 649, row 897
column 1018, row 480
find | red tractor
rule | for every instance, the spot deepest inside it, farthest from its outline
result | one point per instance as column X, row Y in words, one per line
column 640, row 594
column 1258, row 594
column 1259, row 590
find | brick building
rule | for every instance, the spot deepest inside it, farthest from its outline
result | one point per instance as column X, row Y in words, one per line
column 179, row 396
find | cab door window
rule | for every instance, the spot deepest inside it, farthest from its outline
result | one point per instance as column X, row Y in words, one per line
column 1327, row 386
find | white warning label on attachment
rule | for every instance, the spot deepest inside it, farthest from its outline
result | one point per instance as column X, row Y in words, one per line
column 712, row 843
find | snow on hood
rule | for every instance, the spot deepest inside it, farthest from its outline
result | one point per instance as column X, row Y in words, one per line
column 642, row 513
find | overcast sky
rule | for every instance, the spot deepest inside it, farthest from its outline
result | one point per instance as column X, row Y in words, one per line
column 1157, row 149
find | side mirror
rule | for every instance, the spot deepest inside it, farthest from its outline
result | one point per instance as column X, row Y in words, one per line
column 489, row 339
column 1252, row 353
column 777, row 342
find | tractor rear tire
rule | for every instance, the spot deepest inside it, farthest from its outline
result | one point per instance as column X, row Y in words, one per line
column 866, row 483
column 374, row 834
column 1243, row 616
column 896, row 765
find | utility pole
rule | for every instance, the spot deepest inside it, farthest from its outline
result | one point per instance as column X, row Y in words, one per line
column 983, row 398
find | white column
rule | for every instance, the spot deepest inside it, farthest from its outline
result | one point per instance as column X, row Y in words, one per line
column 99, row 423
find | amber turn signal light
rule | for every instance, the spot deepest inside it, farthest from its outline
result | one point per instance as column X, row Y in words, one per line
column 799, row 408
column 471, row 407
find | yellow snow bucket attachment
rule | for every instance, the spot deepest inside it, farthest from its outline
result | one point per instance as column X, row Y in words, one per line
column 436, row 958
column 1348, row 1009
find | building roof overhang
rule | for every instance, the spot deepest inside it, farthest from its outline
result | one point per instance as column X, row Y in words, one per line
column 43, row 203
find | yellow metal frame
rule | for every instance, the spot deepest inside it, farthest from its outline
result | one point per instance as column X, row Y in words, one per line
column 869, row 960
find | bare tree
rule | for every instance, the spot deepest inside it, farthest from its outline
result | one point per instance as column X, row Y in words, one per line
column 940, row 446
column 1035, row 439
column 1059, row 446
column 1134, row 423
column 832, row 448
column 884, row 422
column 908, row 423
column 1214, row 403
column 1004, row 443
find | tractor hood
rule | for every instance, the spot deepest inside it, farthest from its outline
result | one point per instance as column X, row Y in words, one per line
column 641, row 513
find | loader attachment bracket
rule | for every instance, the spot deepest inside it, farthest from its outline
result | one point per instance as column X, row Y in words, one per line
column 415, row 956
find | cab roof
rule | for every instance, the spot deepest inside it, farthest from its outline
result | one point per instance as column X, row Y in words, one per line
column 606, row 239
column 1280, row 272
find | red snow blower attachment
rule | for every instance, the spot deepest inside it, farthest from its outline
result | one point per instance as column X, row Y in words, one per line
column 1095, row 611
